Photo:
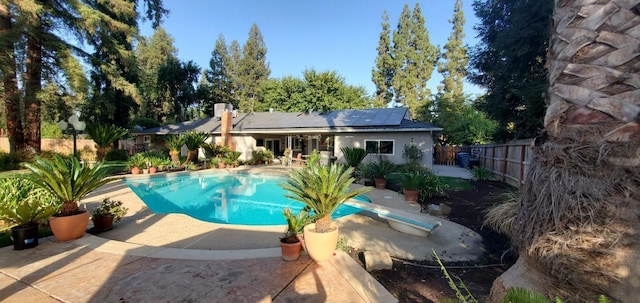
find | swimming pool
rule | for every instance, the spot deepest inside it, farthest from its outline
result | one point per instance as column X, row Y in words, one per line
column 221, row 197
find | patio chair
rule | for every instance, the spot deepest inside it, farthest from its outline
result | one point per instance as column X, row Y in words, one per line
column 298, row 159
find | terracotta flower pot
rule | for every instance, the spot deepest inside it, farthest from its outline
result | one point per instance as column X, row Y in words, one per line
column 290, row 249
column 381, row 183
column 221, row 165
column 411, row 195
column 69, row 228
column 320, row 246
column 153, row 170
column 102, row 223
column 135, row 170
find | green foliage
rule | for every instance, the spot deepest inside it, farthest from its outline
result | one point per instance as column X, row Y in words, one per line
column 213, row 150
column 455, row 183
column 219, row 85
column 109, row 207
column 174, row 142
column 194, row 139
column 50, row 130
column 378, row 169
column 314, row 158
column 454, row 68
column 382, row 73
column 138, row 160
column 67, row 180
column 481, row 174
column 116, row 155
column 412, row 153
column 9, row 161
column 414, row 180
column 462, row 292
column 353, row 155
column 414, row 59
column 22, row 202
column 252, row 70
column 323, row 189
column 144, row 122
column 509, row 61
column 105, row 134
column 179, row 80
column 462, row 124
column 296, row 223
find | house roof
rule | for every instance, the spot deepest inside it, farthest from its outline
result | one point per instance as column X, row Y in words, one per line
column 351, row 120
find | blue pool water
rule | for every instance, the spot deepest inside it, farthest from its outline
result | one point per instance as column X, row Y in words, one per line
column 221, row 197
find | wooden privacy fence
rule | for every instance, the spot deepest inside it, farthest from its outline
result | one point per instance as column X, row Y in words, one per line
column 509, row 161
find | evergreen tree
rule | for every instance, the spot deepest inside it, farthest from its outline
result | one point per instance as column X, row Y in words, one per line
column 510, row 62
column 178, row 80
column 454, row 69
column 235, row 53
column 253, row 70
column 382, row 73
column 218, row 76
column 414, row 57
column 151, row 55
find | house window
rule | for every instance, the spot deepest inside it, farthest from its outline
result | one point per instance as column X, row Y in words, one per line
column 146, row 139
column 259, row 142
column 380, row 147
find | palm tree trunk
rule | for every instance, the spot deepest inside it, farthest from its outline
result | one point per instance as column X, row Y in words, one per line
column 579, row 211
column 10, row 82
column 323, row 224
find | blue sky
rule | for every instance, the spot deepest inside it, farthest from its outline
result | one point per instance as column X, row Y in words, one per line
column 332, row 35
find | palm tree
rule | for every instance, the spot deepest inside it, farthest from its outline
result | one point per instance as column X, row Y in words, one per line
column 104, row 135
column 577, row 217
column 174, row 143
column 193, row 140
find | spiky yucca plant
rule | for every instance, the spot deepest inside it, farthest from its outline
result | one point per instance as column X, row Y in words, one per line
column 323, row 189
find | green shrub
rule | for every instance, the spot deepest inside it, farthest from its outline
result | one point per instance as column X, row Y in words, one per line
column 9, row 161
column 144, row 122
column 481, row 174
column 353, row 155
column 116, row 155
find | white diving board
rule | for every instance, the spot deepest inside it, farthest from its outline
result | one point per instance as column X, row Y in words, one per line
column 400, row 220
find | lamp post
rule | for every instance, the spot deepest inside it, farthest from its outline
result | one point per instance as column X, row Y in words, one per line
column 73, row 126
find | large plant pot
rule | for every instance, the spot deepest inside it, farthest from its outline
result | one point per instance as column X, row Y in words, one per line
column 153, row 170
column 221, row 165
column 290, row 250
column 320, row 246
column 69, row 228
column 25, row 236
column 102, row 223
column 411, row 195
column 381, row 183
column 135, row 170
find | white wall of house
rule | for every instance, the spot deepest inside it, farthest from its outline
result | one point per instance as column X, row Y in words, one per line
column 244, row 144
column 423, row 140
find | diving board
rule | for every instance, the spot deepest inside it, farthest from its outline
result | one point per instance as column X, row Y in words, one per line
column 400, row 220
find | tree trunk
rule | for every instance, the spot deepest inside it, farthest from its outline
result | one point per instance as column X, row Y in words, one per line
column 33, row 86
column 323, row 224
column 10, row 82
column 579, row 208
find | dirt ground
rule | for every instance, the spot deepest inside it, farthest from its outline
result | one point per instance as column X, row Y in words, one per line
column 422, row 281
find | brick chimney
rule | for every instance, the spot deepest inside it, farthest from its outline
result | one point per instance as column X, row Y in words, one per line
column 226, row 126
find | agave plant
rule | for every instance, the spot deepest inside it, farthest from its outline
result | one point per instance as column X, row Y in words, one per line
column 193, row 140
column 323, row 189
column 68, row 180
column 104, row 135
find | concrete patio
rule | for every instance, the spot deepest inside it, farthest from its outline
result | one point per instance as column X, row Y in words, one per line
column 174, row 258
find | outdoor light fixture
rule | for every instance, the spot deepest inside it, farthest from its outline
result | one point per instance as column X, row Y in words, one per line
column 73, row 126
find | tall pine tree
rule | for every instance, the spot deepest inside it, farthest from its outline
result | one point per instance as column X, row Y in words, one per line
column 414, row 59
column 454, row 67
column 218, row 76
column 253, row 70
column 235, row 53
column 382, row 73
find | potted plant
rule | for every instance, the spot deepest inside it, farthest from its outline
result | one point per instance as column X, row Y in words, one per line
column 377, row 170
column 411, row 183
column 323, row 189
column 68, row 181
column 24, row 206
column 257, row 157
column 154, row 162
column 290, row 244
column 108, row 212
column 136, row 162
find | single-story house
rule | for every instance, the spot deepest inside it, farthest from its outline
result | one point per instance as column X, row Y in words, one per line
column 381, row 131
